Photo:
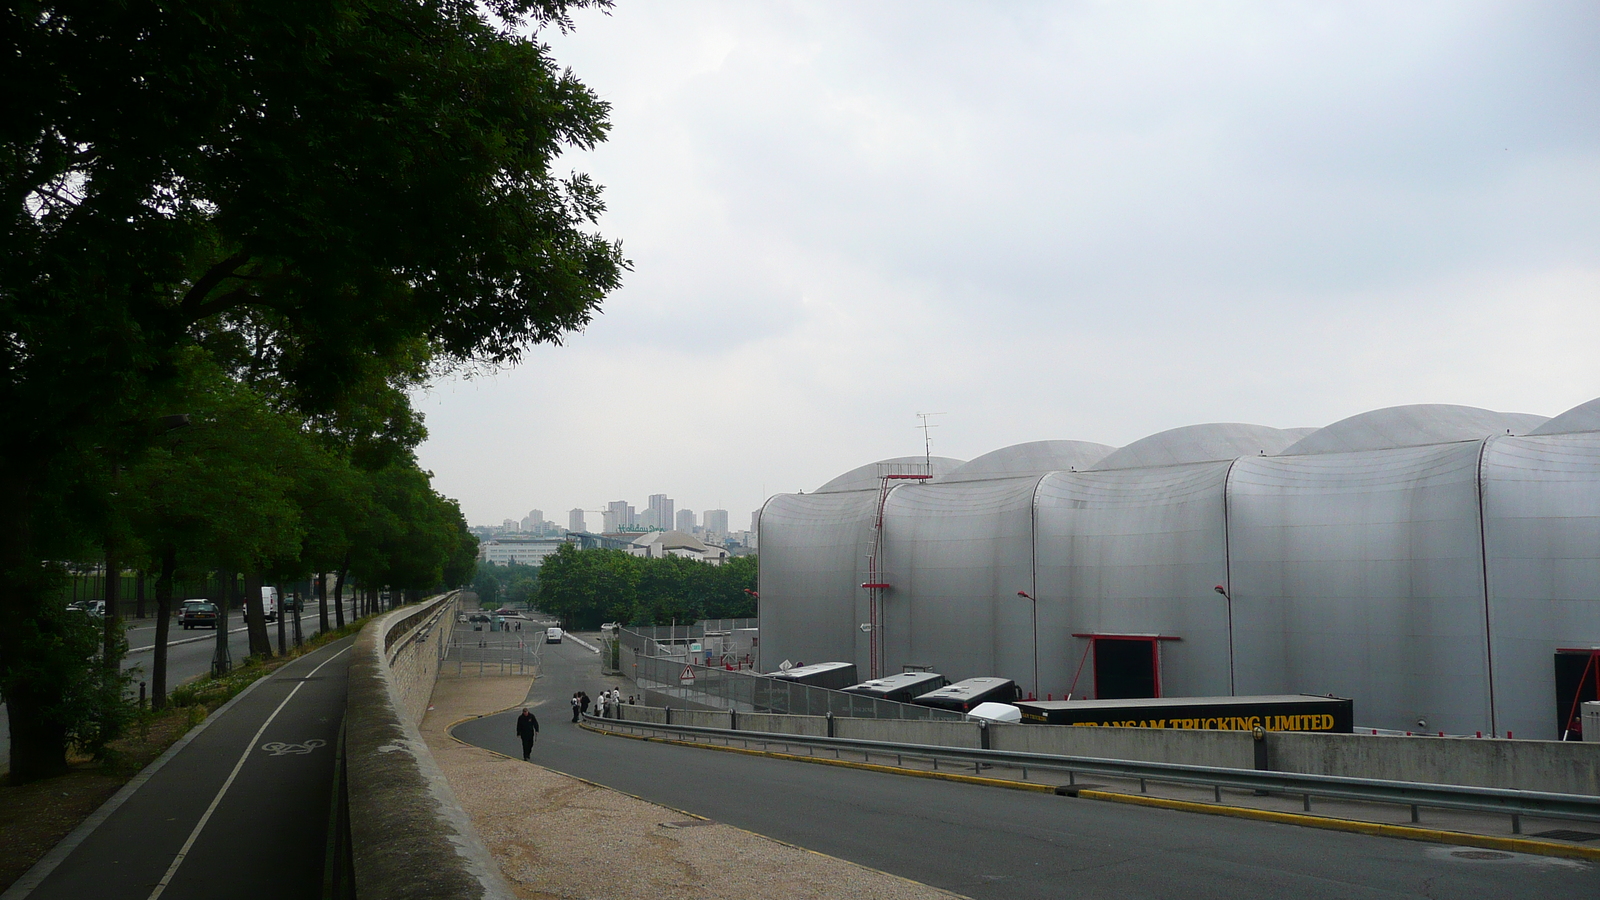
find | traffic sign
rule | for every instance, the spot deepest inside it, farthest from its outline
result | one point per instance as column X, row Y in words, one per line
column 687, row 676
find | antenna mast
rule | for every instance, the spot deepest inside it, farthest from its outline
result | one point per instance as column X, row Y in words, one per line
column 927, row 440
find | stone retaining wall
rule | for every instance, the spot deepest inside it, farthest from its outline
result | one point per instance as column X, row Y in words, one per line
column 410, row 837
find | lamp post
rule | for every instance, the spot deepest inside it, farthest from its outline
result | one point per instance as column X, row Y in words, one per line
column 1031, row 599
column 1224, row 592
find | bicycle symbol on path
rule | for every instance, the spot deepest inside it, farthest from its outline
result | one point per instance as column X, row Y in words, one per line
column 279, row 748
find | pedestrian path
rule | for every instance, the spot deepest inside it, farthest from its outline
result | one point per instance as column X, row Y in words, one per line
column 238, row 808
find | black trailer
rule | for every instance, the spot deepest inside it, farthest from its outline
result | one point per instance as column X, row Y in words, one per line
column 1275, row 712
column 901, row 688
column 964, row 695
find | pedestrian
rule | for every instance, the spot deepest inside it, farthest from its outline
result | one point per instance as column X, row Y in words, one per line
column 600, row 705
column 584, row 701
column 630, row 699
column 527, row 728
column 577, row 706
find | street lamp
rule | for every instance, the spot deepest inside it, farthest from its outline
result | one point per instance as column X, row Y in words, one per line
column 1030, row 598
column 1224, row 592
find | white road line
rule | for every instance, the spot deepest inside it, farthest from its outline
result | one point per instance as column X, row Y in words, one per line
column 210, row 637
column 217, row 800
column 582, row 643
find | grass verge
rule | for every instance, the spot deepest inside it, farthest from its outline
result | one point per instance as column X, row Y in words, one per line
column 35, row 817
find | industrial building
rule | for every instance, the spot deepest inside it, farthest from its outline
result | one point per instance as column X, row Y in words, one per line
column 1438, row 565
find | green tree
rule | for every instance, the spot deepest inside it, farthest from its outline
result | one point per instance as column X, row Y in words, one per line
column 306, row 190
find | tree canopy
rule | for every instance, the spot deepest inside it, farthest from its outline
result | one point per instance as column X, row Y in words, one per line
column 311, row 206
column 586, row 588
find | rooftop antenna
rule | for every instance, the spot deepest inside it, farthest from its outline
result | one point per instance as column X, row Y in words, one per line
column 927, row 439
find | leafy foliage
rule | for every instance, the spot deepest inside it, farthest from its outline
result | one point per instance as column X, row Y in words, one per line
column 276, row 218
column 588, row 587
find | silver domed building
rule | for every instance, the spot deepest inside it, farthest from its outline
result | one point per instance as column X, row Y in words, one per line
column 1440, row 565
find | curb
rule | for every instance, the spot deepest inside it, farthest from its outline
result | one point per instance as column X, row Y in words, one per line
column 1352, row 826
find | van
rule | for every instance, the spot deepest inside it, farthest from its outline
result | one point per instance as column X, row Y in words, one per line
column 269, row 603
column 552, row 635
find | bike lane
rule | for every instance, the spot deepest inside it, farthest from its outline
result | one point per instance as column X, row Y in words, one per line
column 240, row 810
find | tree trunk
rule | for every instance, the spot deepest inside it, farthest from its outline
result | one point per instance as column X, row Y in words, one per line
column 38, row 747
column 338, row 590
column 283, row 615
column 158, row 662
column 255, row 614
column 322, row 601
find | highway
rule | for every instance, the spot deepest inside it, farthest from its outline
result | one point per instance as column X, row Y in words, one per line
column 994, row 843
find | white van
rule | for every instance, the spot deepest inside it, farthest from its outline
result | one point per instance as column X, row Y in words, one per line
column 552, row 635
column 269, row 603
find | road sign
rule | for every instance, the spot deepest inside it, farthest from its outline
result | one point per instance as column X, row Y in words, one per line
column 687, row 675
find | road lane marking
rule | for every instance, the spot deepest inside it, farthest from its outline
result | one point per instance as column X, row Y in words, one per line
column 216, row 801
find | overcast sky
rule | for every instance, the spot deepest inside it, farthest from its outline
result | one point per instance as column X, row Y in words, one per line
column 1085, row 221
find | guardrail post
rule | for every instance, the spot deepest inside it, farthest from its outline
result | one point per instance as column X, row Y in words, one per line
column 1260, row 735
column 669, row 715
column 983, row 735
column 733, row 719
column 829, row 717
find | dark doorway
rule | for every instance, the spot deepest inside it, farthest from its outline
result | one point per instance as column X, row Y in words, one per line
column 1577, row 680
column 1125, row 668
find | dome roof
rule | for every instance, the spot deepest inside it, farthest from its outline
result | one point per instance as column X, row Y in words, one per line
column 1198, row 443
column 1583, row 417
column 1032, row 458
column 1411, row 426
column 867, row 477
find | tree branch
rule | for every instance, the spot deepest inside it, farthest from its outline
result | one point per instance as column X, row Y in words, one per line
column 194, row 299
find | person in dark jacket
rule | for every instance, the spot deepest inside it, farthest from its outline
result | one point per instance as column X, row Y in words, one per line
column 527, row 727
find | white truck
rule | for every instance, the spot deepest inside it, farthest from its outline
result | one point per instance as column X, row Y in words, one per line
column 269, row 603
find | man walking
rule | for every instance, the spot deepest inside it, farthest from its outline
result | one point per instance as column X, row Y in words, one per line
column 577, row 705
column 527, row 727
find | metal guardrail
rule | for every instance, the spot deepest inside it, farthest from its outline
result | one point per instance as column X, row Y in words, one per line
column 1504, row 801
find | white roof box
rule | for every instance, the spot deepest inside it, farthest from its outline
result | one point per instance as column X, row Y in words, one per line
column 996, row 712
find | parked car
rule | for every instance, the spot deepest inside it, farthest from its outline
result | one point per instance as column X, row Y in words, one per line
column 197, row 613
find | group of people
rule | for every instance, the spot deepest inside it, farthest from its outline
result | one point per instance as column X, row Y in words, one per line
column 609, row 700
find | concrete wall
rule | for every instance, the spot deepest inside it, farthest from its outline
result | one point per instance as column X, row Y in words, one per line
column 409, row 835
column 1231, row 749
column 909, row 731
column 651, row 714
column 702, row 718
column 414, row 645
column 813, row 726
column 1570, row 767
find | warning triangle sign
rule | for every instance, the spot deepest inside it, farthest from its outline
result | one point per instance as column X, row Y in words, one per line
column 688, row 674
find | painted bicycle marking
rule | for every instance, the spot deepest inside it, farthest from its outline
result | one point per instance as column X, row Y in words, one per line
column 279, row 748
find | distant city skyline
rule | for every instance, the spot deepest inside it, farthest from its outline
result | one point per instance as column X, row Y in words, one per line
column 659, row 512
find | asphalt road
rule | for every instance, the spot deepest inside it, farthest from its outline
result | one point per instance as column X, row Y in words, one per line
column 189, row 654
column 240, row 812
column 995, row 843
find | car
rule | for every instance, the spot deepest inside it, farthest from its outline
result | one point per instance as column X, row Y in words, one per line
column 197, row 613
column 478, row 617
column 552, row 635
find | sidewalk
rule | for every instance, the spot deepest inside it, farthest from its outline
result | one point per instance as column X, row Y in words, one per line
column 558, row 836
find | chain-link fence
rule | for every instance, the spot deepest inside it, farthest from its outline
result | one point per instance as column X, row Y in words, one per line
column 493, row 652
